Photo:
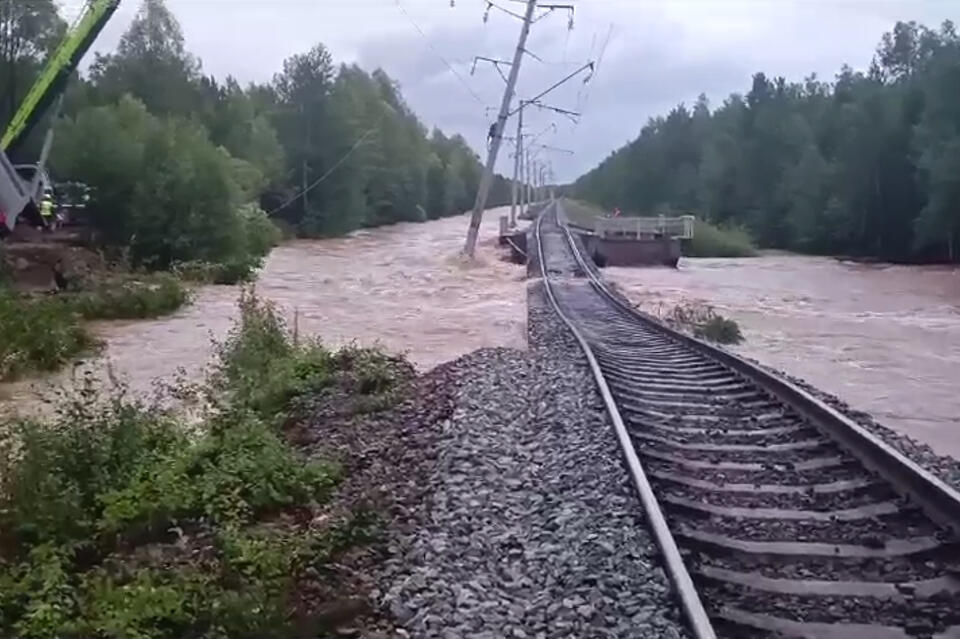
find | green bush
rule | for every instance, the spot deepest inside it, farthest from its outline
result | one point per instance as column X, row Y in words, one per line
column 162, row 188
column 242, row 469
column 104, row 477
column 118, row 520
column 261, row 236
column 260, row 365
column 197, row 271
column 704, row 322
column 152, row 604
column 713, row 241
column 130, row 296
column 38, row 335
column 53, row 476
column 230, row 272
column 43, row 334
column 721, row 330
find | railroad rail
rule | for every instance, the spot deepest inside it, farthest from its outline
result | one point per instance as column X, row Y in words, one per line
column 776, row 515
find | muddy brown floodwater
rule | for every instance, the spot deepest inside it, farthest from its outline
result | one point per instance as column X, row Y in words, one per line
column 402, row 286
column 884, row 338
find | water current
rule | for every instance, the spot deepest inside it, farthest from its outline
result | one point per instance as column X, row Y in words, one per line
column 402, row 286
column 886, row 339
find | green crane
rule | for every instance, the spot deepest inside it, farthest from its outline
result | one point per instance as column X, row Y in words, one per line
column 56, row 73
column 16, row 194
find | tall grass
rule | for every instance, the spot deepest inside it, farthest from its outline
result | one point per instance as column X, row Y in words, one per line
column 38, row 334
column 129, row 296
column 119, row 520
column 582, row 214
column 714, row 241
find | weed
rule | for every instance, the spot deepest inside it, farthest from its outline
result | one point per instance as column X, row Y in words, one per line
column 704, row 322
column 88, row 501
column 235, row 271
column 150, row 605
column 720, row 330
column 129, row 296
column 38, row 335
column 715, row 241
column 260, row 365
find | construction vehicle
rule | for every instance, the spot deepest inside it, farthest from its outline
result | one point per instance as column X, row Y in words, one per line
column 22, row 186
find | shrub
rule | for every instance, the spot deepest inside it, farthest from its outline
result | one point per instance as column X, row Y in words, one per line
column 88, row 502
column 230, row 272
column 150, row 604
column 240, row 470
column 38, row 335
column 198, row 271
column 720, row 330
column 104, row 477
column 261, row 235
column 237, row 270
column 162, row 188
column 714, row 241
column 42, row 334
column 131, row 296
column 247, row 470
column 704, row 322
column 260, row 231
column 260, row 365
column 53, row 476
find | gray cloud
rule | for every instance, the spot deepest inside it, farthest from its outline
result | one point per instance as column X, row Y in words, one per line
column 661, row 53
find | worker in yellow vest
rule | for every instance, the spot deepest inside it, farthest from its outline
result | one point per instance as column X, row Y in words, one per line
column 46, row 210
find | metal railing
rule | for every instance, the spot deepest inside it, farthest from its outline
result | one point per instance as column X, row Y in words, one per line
column 680, row 228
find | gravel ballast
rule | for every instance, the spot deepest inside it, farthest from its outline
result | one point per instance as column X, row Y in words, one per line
column 531, row 528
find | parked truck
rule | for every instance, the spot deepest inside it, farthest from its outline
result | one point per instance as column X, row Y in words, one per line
column 22, row 186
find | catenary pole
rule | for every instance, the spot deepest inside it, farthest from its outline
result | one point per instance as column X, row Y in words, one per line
column 516, row 169
column 497, row 138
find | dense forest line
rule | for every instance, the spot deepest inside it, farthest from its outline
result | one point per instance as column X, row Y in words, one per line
column 866, row 165
column 183, row 166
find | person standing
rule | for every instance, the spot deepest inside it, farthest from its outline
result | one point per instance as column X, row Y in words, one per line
column 46, row 210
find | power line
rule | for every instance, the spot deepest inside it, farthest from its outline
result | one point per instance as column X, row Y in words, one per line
column 437, row 53
column 333, row 168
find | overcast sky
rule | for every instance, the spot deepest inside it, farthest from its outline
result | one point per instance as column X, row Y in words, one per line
column 659, row 53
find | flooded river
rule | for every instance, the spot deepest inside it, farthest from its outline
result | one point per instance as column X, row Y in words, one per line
column 402, row 286
column 884, row 338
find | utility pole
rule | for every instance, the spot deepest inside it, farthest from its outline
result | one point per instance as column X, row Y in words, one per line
column 546, row 171
column 516, row 169
column 526, row 183
column 498, row 128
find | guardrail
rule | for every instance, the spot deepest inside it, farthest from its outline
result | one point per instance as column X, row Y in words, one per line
column 680, row 228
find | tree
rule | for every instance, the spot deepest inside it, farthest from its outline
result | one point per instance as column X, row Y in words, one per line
column 937, row 148
column 151, row 64
column 160, row 187
column 29, row 31
column 868, row 164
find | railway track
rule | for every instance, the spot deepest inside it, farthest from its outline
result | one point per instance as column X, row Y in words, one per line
column 775, row 515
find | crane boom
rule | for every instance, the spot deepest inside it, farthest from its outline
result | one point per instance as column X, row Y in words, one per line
column 57, row 71
column 19, row 195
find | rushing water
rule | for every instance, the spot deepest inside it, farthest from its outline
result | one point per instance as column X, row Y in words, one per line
column 402, row 286
column 886, row 339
